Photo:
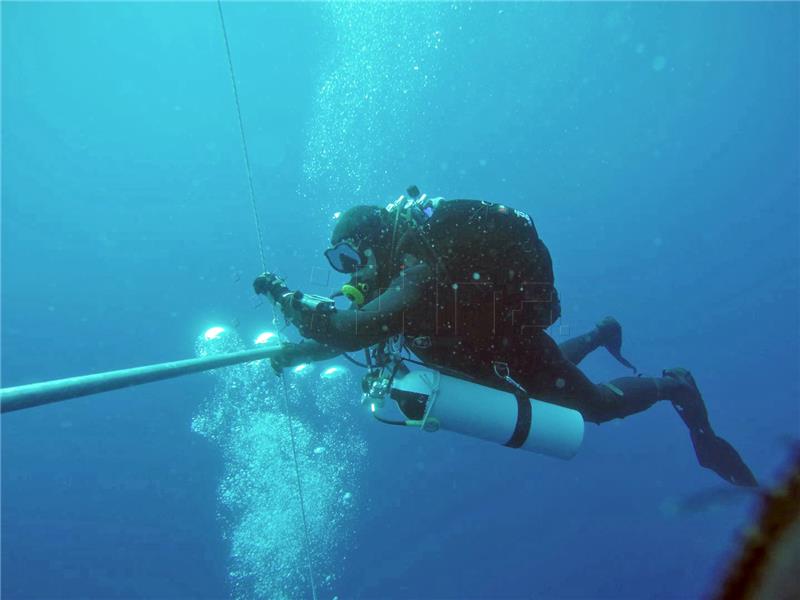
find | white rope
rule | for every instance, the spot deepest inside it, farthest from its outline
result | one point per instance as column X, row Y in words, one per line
column 257, row 223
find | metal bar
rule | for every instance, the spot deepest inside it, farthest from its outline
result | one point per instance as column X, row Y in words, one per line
column 47, row 392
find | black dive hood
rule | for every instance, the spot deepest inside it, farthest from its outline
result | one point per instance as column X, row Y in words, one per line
column 385, row 233
column 367, row 228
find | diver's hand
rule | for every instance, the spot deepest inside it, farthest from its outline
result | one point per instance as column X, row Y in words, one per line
column 285, row 357
column 269, row 284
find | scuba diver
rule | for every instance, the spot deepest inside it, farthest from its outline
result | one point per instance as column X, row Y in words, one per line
column 467, row 286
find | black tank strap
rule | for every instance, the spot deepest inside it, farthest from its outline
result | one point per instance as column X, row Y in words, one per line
column 524, row 412
column 523, row 426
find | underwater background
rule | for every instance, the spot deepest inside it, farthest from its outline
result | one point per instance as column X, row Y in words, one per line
column 655, row 145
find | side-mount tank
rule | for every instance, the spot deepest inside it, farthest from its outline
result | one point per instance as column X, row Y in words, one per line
column 497, row 416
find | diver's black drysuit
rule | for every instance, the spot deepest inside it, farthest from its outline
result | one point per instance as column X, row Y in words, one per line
column 469, row 307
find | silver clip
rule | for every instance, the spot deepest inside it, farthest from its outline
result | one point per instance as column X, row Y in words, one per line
column 502, row 370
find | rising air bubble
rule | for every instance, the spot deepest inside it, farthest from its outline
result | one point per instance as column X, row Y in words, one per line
column 268, row 337
column 244, row 417
column 213, row 333
column 659, row 62
column 333, row 373
column 303, row 369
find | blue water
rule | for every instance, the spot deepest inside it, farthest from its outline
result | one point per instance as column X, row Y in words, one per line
column 656, row 147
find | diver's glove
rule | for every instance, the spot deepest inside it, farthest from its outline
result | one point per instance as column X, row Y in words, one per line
column 285, row 357
column 311, row 314
column 269, row 284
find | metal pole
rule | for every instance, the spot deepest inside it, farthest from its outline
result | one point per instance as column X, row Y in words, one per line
column 47, row 392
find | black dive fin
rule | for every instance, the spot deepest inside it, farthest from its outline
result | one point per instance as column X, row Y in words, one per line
column 715, row 453
column 611, row 339
column 622, row 360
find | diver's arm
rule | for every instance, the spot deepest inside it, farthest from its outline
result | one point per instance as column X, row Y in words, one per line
column 379, row 319
column 352, row 329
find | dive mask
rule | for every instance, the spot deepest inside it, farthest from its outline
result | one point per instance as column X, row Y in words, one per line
column 344, row 258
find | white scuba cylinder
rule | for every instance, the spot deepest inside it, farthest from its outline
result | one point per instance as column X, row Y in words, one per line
column 497, row 416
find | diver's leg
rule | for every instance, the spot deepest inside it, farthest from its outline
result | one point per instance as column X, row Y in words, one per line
column 577, row 348
column 556, row 379
column 634, row 394
column 559, row 381
column 607, row 333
